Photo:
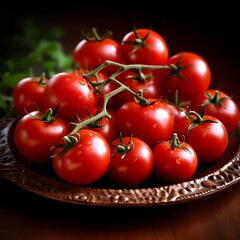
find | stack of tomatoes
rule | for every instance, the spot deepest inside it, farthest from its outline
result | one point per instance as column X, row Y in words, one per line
column 128, row 111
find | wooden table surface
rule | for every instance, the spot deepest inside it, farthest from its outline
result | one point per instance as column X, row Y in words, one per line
column 24, row 215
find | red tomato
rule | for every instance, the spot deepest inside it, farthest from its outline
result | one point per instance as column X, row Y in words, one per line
column 207, row 135
column 174, row 161
column 34, row 136
column 93, row 51
column 131, row 162
column 192, row 76
column 28, row 94
column 144, row 46
column 86, row 161
column 71, row 93
column 218, row 104
column 136, row 81
column 151, row 123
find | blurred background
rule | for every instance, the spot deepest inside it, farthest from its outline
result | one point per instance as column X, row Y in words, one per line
column 208, row 29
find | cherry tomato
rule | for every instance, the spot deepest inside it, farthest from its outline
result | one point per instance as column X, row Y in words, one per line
column 175, row 161
column 72, row 95
column 206, row 134
column 28, row 94
column 144, row 46
column 137, row 81
column 86, row 161
column 218, row 104
column 35, row 134
column 131, row 163
column 191, row 76
column 151, row 123
column 94, row 50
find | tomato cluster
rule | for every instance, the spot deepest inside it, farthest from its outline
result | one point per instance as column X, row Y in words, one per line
column 128, row 111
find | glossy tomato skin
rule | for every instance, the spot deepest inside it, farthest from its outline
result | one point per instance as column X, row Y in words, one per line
column 90, row 54
column 71, row 93
column 86, row 162
column 209, row 139
column 149, row 85
column 153, row 49
column 135, row 167
column 174, row 165
column 151, row 123
column 34, row 137
column 226, row 110
column 192, row 77
column 178, row 113
column 27, row 94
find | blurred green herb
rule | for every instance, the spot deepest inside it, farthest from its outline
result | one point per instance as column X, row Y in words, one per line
column 28, row 51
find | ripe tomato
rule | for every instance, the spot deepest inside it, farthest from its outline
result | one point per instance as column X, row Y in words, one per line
column 35, row 134
column 191, row 76
column 94, row 50
column 136, row 81
column 151, row 123
column 86, row 161
column 71, row 93
column 131, row 162
column 144, row 46
column 206, row 134
column 175, row 161
column 28, row 94
column 218, row 104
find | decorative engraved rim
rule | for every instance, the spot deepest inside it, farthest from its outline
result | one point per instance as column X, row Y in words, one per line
column 25, row 177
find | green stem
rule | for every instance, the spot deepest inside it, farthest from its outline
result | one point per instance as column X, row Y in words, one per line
column 103, row 113
column 122, row 87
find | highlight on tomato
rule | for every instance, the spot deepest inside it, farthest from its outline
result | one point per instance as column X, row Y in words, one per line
column 151, row 122
column 144, row 46
column 94, row 50
column 70, row 92
column 28, row 94
column 206, row 134
column 175, row 161
column 81, row 159
column 218, row 104
column 190, row 75
column 131, row 163
column 35, row 134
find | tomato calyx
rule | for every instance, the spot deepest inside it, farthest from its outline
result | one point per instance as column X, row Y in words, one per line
column 92, row 123
column 174, row 142
column 197, row 120
column 180, row 105
column 138, row 42
column 48, row 116
column 69, row 142
column 175, row 69
column 216, row 100
column 122, row 148
column 93, row 36
column 42, row 80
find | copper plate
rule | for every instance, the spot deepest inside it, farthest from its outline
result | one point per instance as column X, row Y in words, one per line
column 208, row 179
